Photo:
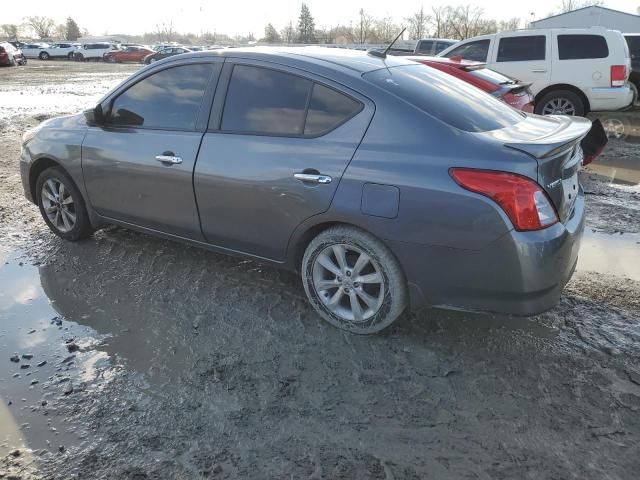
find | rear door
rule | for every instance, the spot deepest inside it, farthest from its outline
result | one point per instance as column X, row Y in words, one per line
column 138, row 167
column 524, row 56
column 274, row 154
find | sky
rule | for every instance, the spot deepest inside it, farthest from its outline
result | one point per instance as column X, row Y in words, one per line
column 250, row 16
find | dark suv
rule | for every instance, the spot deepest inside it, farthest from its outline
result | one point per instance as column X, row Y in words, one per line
column 10, row 55
column 633, row 40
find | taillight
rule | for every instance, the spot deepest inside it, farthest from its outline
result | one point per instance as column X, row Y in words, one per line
column 523, row 200
column 618, row 75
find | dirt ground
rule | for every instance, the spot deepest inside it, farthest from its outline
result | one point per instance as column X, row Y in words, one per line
column 166, row 361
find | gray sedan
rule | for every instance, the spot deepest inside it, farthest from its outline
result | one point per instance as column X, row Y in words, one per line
column 387, row 184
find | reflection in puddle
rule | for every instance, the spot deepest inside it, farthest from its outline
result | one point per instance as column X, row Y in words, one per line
column 616, row 254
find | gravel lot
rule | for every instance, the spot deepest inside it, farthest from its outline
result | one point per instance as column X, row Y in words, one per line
column 165, row 361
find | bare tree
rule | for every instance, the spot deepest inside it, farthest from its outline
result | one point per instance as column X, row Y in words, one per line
column 385, row 29
column 439, row 21
column 42, row 26
column 418, row 24
column 9, row 30
column 165, row 32
column 60, row 31
column 511, row 24
column 288, row 33
column 363, row 28
column 466, row 21
column 569, row 5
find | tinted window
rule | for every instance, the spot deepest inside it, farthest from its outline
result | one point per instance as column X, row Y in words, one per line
column 260, row 100
column 167, row 99
column 440, row 46
column 522, row 48
column 426, row 46
column 575, row 47
column 328, row 109
column 449, row 99
column 476, row 51
column 634, row 44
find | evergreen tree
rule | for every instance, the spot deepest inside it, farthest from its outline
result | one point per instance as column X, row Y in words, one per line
column 271, row 34
column 306, row 26
column 72, row 30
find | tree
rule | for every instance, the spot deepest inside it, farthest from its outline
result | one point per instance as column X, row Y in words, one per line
column 10, row 31
column 72, row 30
column 165, row 32
column 306, row 26
column 60, row 31
column 569, row 5
column 42, row 26
column 418, row 24
column 386, row 30
column 511, row 24
column 288, row 33
column 271, row 34
column 363, row 29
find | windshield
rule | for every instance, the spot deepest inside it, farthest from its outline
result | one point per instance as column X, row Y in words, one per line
column 491, row 76
column 453, row 101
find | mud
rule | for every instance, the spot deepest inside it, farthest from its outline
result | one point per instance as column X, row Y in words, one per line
column 166, row 361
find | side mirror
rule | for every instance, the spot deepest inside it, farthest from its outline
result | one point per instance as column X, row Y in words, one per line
column 94, row 116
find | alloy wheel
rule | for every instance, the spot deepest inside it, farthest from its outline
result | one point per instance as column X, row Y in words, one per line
column 58, row 205
column 348, row 282
column 559, row 106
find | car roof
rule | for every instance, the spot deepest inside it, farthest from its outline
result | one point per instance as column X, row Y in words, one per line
column 357, row 61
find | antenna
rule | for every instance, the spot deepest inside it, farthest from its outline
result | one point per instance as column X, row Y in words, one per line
column 378, row 53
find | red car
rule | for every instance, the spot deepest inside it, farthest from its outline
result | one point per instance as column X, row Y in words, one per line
column 513, row 92
column 9, row 55
column 132, row 53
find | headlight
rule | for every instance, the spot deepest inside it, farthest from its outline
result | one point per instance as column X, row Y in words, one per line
column 29, row 134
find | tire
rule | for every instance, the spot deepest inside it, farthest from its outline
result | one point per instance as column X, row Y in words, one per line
column 560, row 102
column 153, row 60
column 636, row 95
column 13, row 62
column 385, row 288
column 43, row 56
column 70, row 56
column 74, row 224
column 79, row 57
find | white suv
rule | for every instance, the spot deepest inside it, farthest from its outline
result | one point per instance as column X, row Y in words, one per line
column 93, row 51
column 571, row 70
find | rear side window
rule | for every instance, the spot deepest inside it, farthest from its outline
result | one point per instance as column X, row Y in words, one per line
column 446, row 98
column 579, row 47
column 633, row 41
column 328, row 109
column 260, row 100
column 169, row 99
column 440, row 46
column 426, row 46
column 522, row 48
column 476, row 51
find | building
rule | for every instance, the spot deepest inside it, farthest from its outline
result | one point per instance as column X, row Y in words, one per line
column 590, row 17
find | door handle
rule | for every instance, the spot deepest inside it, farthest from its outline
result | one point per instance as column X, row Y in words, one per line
column 172, row 159
column 539, row 71
column 311, row 178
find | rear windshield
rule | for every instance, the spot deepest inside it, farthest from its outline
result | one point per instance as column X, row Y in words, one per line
column 491, row 76
column 453, row 101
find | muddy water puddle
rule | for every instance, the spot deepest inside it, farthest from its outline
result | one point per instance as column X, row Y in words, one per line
column 612, row 254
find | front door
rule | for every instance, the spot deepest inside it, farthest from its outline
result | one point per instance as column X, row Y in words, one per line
column 138, row 167
column 274, row 156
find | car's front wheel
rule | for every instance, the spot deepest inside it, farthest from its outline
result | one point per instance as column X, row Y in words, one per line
column 353, row 280
column 43, row 56
column 61, row 205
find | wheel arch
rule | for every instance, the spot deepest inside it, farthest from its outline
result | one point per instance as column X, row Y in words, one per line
column 39, row 166
column 565, row 86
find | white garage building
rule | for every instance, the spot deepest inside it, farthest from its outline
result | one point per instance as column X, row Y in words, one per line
column 592, row 16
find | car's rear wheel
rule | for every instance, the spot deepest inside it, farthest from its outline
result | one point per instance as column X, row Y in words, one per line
column 560, row 102
column 153, row 59
column 61, row 205
column 636, row 95
column 78, row 57
column 353, row 280
column 43, row 56
column 70, row 56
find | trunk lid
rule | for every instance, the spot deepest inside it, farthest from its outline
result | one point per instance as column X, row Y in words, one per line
column 554, row 142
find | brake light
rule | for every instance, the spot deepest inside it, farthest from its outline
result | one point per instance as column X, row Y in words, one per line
column 523, row 200
column 618, row 75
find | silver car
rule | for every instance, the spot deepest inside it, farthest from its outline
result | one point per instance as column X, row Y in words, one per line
column 387, row 184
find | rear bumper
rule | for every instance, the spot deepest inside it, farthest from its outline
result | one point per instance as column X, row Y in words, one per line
column 521, row 273
column 610, row 98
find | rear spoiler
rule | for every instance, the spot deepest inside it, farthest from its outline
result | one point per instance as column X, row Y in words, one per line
column 569, row 133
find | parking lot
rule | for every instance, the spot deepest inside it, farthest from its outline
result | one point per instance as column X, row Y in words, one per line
column 152, row 359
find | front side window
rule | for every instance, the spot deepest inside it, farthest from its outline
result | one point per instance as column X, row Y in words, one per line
column 476, row 51
column 523, row 48
column 169, row 99
column 580, row 47
column 264, row 101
